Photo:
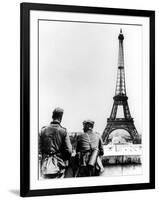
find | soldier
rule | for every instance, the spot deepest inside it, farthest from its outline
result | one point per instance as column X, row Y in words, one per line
column 88, row 151
column 55, row 147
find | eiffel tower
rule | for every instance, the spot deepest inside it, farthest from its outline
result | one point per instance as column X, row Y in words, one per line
column 120, row 99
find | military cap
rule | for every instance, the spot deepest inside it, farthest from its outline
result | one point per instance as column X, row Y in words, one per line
column 88, row 122
column 58, row 110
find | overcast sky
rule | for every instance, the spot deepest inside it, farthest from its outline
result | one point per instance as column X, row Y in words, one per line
column 78, row 71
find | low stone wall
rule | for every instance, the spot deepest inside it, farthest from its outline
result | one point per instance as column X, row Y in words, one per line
column 121, row 160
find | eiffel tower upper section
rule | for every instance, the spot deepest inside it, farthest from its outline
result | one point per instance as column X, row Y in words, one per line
column 120, row 97
column 120, row 84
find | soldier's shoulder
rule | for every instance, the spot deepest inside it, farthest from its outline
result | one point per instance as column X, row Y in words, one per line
column 81, row 135
column 97, row 134
column 44, row 128
column 63, row 128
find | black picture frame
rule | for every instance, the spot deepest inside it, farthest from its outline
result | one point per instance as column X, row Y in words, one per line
column 25, row 9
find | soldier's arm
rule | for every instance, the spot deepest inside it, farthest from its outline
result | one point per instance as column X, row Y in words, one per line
column 101, row 149
column 67, row 146
column 77, row 146
column 40, row 144
column 41, row 140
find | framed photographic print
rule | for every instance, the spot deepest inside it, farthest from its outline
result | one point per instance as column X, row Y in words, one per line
column 87, row 99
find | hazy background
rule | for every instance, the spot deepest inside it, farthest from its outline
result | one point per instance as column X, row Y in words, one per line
column 78, row 71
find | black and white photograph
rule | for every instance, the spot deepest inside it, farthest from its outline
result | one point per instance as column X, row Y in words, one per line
column 84, row 111
column 89, row 81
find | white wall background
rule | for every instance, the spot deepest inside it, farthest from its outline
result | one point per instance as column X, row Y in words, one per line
column 10, row 103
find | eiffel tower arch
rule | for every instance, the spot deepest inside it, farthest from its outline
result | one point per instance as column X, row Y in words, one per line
column 120, row 99
column 118, row 123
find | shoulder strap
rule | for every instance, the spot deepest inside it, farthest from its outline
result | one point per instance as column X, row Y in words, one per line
column 90, row 141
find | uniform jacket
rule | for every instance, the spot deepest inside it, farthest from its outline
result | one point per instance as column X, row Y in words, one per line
column 86, row 144
column 54, row 146
column 83, row 142
column 54, row 139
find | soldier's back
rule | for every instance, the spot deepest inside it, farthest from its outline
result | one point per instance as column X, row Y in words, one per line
column 86, row 139
column 52, row 138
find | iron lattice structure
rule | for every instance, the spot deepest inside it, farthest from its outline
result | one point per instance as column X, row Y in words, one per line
column 120, row 99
